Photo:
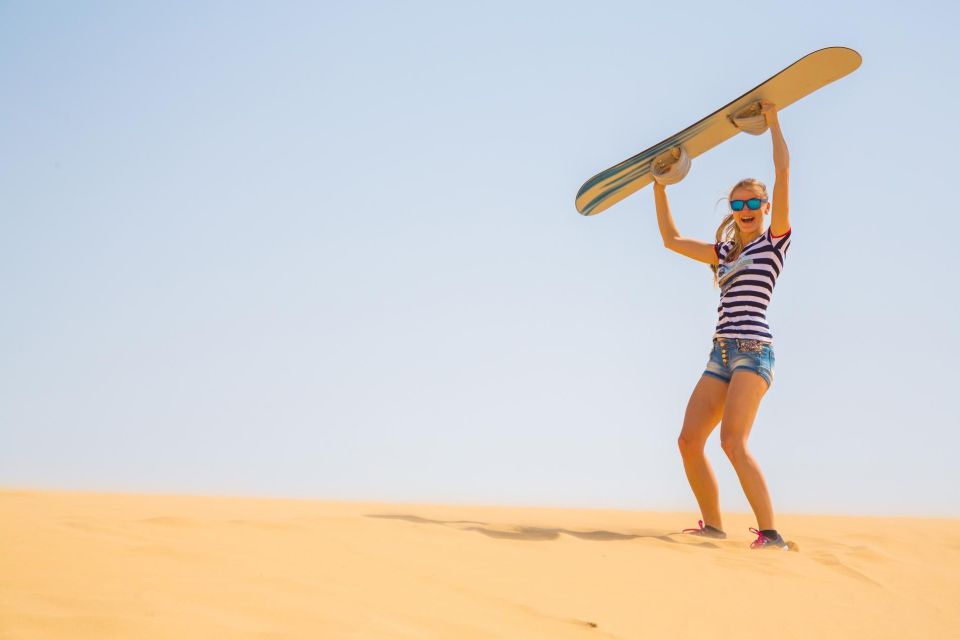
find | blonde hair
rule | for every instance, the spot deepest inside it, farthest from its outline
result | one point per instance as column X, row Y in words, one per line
column 728, row 229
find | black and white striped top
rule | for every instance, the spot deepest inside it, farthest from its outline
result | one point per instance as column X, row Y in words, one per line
column 746, row 286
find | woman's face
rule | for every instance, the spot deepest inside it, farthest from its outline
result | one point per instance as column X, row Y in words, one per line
column 749, row 221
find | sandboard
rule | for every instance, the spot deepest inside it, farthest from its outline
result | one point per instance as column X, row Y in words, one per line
column 802, row 78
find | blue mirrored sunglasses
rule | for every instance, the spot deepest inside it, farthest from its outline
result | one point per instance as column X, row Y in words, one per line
column 752, row 203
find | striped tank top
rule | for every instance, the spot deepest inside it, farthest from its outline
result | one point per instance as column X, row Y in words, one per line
column 746, row 286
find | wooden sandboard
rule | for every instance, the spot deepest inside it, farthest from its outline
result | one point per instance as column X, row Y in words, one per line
column 803, row 77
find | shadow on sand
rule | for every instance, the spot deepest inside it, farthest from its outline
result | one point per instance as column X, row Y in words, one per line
column 517, row 532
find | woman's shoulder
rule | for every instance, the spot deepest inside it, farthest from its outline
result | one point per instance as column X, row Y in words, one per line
column 723, row 246
column 774, row 238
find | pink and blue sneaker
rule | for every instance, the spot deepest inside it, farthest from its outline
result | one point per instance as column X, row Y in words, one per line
column 765, row 541
column 707, row 531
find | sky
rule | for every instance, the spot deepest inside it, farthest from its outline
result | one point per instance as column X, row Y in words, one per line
column 330, row 250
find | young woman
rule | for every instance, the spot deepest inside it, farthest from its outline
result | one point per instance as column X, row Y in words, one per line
column 746, row 261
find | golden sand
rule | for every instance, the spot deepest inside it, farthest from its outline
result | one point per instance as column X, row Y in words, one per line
column 97, row 565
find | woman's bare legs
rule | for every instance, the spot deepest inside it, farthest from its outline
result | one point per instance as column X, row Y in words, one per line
column 743, row 399
column 704, row 410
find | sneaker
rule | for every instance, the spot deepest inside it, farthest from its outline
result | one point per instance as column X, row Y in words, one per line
column 763, row 542
column 706, row 531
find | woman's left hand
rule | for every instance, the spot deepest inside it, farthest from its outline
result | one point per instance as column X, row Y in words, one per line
column 769, row 111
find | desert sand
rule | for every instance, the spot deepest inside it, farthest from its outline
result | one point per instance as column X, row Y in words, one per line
column 101, row 565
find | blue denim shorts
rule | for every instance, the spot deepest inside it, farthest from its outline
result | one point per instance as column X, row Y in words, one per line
column 731, row 354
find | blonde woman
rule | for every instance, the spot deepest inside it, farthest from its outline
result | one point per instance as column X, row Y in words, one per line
column 746, row 260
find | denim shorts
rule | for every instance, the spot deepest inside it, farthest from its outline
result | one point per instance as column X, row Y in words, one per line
column 731, row 354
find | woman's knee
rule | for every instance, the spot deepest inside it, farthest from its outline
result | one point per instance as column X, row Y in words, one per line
column 690, row 446
column 734, row 446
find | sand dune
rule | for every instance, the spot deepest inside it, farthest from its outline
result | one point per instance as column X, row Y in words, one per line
column 94, row 565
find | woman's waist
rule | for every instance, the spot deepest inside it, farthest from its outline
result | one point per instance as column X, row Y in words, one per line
column 741, row 342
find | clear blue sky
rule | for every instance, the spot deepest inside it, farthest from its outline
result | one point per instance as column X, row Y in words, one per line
column 331, row 251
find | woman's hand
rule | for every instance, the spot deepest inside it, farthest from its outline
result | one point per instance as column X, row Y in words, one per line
column 769, row 111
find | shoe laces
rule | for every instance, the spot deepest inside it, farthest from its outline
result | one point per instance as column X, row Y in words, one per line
column 699, row 524
column 761, row 539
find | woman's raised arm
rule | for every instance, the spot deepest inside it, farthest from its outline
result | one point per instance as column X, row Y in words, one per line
column 695, row 249
column 780, row 220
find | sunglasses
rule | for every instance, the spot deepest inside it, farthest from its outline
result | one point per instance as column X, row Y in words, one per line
column 752, row 203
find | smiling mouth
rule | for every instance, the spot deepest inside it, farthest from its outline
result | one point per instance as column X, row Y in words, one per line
column 747, row 220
